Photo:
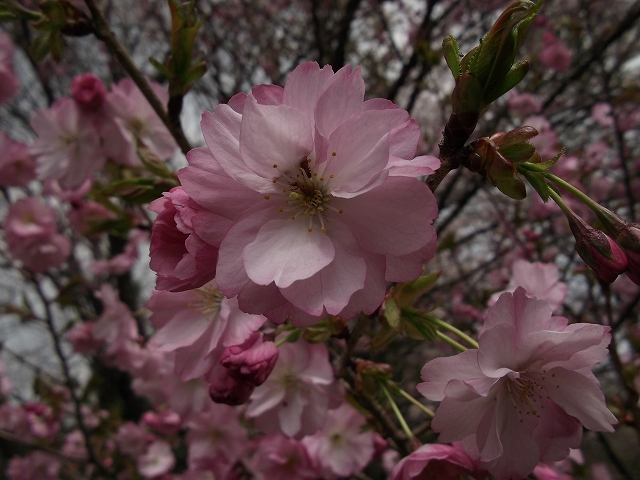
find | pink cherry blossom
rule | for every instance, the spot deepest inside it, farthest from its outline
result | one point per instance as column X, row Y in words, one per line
column 157, row 460
column 88, row 91
column 32, row 237
column 68, row 147
column 34, row 466
column 131, row 439
column 85, row 215
column 298, row 393
column 121, row 263
column 9, row 84
column 252, row 361
column 282, row 458
column 340, row 447
column 523, row 396
column 433, row 460
column 216, row 440
column 134, row 119
column 601, row 113
column 17, row 167
column 554, row 54
column 540, row 280
column 326, row 177
column 524, row 104
column 181, row 258
column 166, row 422
column 197, row 325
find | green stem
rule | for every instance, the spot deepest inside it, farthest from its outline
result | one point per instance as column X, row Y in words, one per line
column 450, row 328
column 286, row 339
column 583, row 197
column 563, row 206
column 450, row 341
column 396, row 410
column 426, row 410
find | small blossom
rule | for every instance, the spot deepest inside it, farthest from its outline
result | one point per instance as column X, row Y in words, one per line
column 523, row 396
column 157, row 460
column 554, row 54
column 35, row 466
column 68, row 147
column 297, row 395
column 340, row 447
column 17, row 167
column 524, row 104
column 282, row 458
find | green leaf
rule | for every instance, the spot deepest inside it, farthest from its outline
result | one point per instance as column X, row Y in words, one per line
column 509, row 81
column 513, row 188
column 408, row 293
column 392, row 313
column 161, row 68
column 451, row 52
column 538, row 182
column 517, row 153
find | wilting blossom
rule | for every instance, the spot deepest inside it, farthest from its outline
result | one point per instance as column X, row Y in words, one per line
column 540, row 280
column 198, row 325
column 298, row 393
column 282, row 458
column 32, row 237
column 68, row 147
column 554, row 54
column 340, row 447
column 181, row 258
column 327, row 178
column 17, row 167
column 9, row 84
column 134, row 119
column 435, row 461
column 525, row 394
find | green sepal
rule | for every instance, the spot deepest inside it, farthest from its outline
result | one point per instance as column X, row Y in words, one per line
column 392, row 313
column 153, row 163
column 517, row 153
column 538, row 182
column 294, row 336
column 451, row 52
column 509, row 81
column 417, row 326
column 513, row 188
column 543, row 166
column 160, row 67
column 467, row 94
column 384, row 336
column 406, row 294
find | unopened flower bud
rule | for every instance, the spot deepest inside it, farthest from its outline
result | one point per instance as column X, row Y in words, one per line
column 250, row 362
column 598, row 251
column 629, row 240
column 225, row 389
column 88, row 91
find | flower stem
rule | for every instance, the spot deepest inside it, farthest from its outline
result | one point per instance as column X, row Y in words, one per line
column 558, row 199
column 450, row 341
column 295, row 334
column 583, row 197
column 426, row 410
column 450, row 328
column 396, row 410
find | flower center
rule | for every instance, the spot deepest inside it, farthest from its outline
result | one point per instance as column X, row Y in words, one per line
column 306, row 195
column 207, row 302
column 526, row 395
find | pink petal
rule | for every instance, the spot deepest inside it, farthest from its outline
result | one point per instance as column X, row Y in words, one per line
column 440, row 371
column 285, row 251
column 341, row 99
column 304, row 85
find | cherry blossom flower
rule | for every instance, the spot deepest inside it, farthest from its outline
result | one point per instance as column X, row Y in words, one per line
column 179, row 256
column 433, row 460
column 88, row 91
column 216, row 440
column 523, row 396
column 282, row 458
column 524, row 104
column 35, row 466
column 331, row 175
column 554, row 54
column 9, row 84
column 17, row 167
column 32, row 237
column 540, row 280
column 134, row 119
column 68, row 147
column 298, row 393
column 340, row 447
column 252, row 361
column 157, row 460
column 132, row 439
column 197, row 325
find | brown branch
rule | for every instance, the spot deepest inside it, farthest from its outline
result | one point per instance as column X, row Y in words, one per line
column 102, row 31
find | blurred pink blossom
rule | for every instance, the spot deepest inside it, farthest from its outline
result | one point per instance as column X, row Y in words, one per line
column 156, row 460
column 34, row 466
column 540, row 280
column 601, row 113
column 298, row 393
column 282, row 458
column 437, row 461
column 88, row 91
column 341, row 447
column 525, row 394
column 9, row 84
column 68, row 147
column 524, row 104
column 554, row 54
column 17, row 167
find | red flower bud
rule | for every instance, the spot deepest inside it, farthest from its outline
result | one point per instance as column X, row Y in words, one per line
column 250, row 362
column 225, row 389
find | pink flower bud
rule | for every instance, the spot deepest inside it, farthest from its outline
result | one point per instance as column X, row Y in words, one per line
column 629, row 240
column 250, row 362
column 225, row 389
column 88, row 91
column 598, row 251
